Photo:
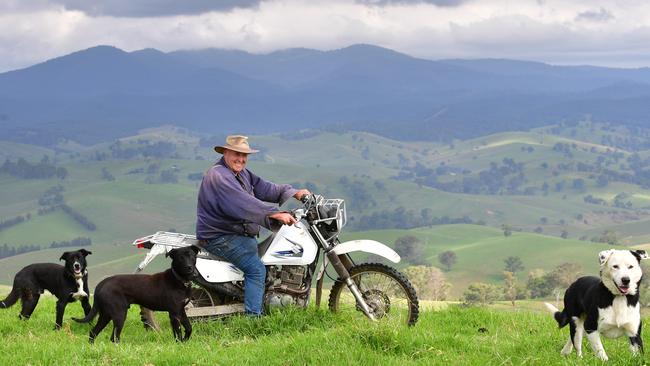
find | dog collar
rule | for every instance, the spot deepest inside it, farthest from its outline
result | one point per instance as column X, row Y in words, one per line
column 185, row 282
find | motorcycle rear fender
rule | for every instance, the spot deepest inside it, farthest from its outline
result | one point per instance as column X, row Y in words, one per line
column 212, row 270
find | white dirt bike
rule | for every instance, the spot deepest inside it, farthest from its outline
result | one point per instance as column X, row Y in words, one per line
column 291, row 256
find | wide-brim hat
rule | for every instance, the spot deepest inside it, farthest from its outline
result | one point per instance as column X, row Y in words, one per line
column 237, row 143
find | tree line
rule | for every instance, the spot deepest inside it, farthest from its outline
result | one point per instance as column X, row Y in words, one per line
column 401, row 218
column 52, row 199
column 10, row 251
column 14, row 221
column 26, row 170
column 145, row 148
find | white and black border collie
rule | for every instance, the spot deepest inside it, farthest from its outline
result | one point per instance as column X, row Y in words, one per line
column 608, row 305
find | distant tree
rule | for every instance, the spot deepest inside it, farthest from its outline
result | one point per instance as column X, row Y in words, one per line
column 537, row 285
column 545, row 188
column 610, row 237
column 579, row 184
column 61, row 173
column 409, row 248
column 602, row 181
column 513, row 264
column 196, row 176
column 106, row 175
column 563, row 275
column 447, row 259
column 507, row 230
column 538, row 230
column 479, row 293
column 429, row 282
column 153, row 168
column 510, row 286
column 542, row 284
column 168, row 176
column 564, row 234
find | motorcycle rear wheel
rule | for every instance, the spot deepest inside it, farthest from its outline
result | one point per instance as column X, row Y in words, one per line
column 388, row 293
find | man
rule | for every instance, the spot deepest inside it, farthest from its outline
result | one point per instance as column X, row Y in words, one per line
column 232, row 206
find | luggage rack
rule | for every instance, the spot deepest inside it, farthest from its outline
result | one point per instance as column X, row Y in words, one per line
column 163, row 241
column 168, row 239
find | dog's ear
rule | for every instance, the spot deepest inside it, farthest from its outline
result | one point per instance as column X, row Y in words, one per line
column 639, row 254
column 85, row 252
column 170, row 253
column 64, row 256
column 604, row 256
column 195, row 249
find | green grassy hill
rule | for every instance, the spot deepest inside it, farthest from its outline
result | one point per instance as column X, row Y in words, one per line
column 480, row 250
column 370, row 172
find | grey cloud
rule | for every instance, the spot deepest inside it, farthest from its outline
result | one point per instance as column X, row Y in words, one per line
column 153, row 8
column 449, row 3
column 601, row 15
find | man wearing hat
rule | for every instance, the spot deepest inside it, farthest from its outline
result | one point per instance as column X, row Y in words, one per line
column 232, row 206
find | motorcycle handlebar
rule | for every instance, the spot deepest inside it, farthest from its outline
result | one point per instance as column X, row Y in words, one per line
column 306, row 198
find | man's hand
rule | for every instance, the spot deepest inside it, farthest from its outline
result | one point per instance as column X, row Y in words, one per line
column 284, row 217
column 301, row 193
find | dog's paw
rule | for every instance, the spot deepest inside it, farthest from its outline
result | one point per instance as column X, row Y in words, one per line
column 57, row 327
column 602, row 356
column 79, row 294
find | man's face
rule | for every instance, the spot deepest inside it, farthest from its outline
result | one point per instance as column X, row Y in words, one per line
column 236, row 161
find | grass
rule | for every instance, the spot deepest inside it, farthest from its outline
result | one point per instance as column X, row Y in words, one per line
column 452, row 336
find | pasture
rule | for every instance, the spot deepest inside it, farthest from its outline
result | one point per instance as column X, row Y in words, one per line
column 451, row 335
column 481, row 252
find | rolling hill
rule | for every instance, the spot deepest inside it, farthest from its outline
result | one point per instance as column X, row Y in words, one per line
column 405, row 188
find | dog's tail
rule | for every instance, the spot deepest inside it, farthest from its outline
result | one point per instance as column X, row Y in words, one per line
column 560, row 317
column 90, row 316
column 11, row 299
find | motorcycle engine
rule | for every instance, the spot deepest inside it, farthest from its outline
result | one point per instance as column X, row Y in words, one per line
column 288, row 286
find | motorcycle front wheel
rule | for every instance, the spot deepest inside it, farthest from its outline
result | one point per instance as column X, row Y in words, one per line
column 387, row 292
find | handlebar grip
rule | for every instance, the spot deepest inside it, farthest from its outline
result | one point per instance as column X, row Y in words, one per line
column 306, row 198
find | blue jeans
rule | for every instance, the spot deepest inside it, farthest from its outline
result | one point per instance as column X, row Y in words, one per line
column 242, row 252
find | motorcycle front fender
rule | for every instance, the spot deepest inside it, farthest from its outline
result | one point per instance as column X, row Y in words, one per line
column 368, row 246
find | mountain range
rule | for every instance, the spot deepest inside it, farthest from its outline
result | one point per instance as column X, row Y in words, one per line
column 102, row 93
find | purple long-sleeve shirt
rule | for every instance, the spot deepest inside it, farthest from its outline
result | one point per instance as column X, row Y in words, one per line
column 225, row 207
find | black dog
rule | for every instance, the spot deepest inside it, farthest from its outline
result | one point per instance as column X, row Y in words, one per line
column 166, row 291
column 67, row 283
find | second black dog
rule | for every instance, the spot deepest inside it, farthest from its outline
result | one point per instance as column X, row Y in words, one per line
column 67, row 283
column 166, row 291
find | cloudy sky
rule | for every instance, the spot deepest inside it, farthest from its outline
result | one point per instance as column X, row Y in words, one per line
column 595, row 32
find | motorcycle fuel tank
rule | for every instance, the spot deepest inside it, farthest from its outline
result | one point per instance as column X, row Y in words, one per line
column 292, row 245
